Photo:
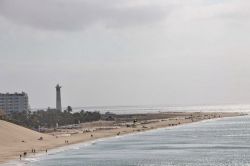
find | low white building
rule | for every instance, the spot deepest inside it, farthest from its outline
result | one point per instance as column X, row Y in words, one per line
column 15, row 102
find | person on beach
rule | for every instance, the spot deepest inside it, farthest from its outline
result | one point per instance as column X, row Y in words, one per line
column 46, row 150
column 20, row 157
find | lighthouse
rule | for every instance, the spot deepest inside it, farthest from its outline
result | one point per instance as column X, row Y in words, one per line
column 58, row 98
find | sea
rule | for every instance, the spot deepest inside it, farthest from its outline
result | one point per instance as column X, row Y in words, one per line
column 159, row 108
column 162, row 108
column 216, row 142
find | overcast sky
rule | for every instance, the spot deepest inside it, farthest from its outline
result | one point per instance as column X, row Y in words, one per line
column 126, row 52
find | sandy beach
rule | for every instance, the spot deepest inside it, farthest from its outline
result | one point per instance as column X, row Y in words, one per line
column 15, row 140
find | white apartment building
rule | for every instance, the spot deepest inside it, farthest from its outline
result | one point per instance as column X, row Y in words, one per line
column 16, row 102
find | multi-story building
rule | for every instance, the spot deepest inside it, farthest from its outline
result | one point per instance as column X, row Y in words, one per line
column 16, row 102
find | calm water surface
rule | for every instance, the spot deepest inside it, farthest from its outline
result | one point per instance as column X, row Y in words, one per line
column 162, row 108
column 224, row 142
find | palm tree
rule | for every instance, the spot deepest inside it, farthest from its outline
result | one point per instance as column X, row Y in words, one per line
column 69, row 109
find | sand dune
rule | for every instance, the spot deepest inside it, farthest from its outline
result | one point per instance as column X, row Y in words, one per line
column 10, row 132
column 15, row 139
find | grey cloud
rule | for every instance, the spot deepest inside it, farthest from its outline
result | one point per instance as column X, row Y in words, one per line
column 79, row 14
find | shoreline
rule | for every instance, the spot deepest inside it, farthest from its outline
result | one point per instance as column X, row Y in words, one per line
column 54, row 142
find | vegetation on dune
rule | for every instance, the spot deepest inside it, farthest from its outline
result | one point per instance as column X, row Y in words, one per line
column 51, row 117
